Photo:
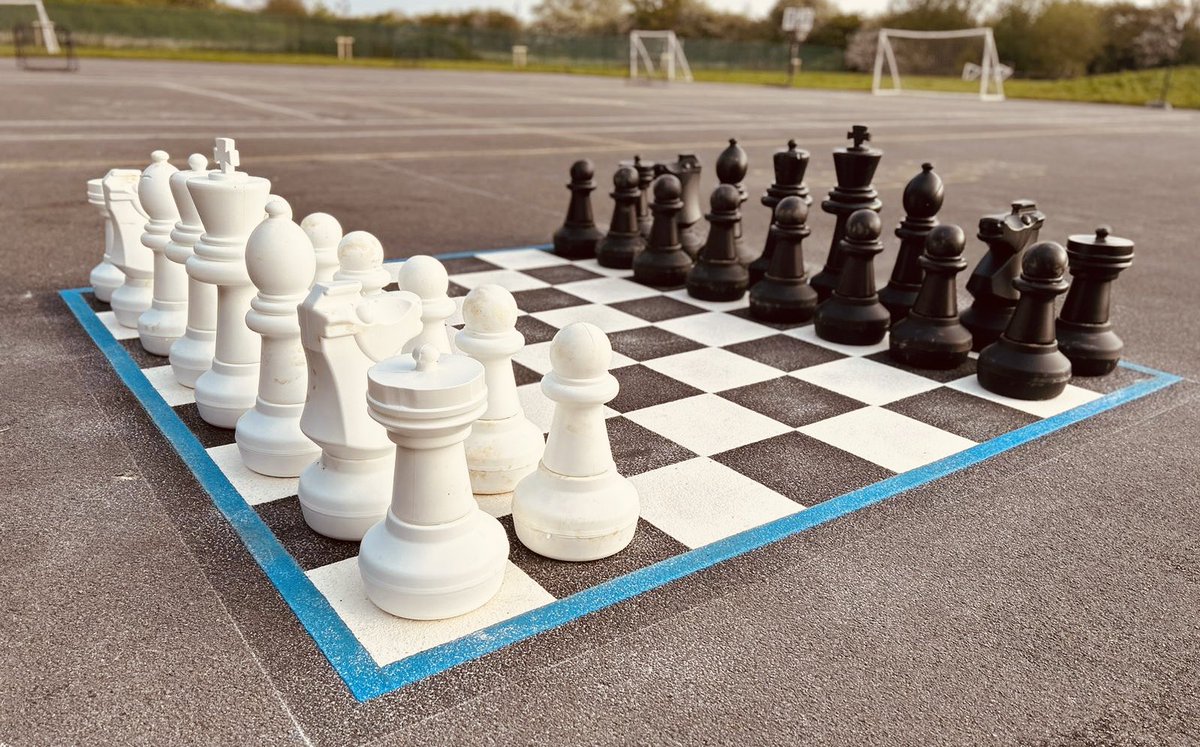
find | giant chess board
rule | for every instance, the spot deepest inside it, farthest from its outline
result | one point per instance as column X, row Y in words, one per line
column 736, row 433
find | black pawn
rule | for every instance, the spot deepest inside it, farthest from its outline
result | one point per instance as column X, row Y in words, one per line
column 923, row 197
column 645, row 172
column 853, row 314
column 930, row 335
column 784, row 295
column 790, row 166
column 578, row 236
column 664, row 263
column 1085, row 334
column 991, row 282
column 1025, row 363
column 717, row 274
column 732, row 165
column 623, row 239
column 855, row 168
column 687, row 171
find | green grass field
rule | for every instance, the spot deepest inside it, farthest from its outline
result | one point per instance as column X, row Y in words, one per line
column 1134, row 88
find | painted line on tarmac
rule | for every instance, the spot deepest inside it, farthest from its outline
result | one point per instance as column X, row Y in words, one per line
column 241, row 100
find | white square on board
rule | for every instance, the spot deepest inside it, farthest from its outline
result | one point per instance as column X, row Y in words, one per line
column 592, row 265
column 707, row 424
column 255, row 488
column 523, row 259
column 162, row 378
column 388, row 639
column 701, row 501
column 716, row 329
column 887, row 438
column 510, row 279
column 606, row 318
column 1072, row 396
column 608, row 290
column 808, row 333
column 712, row 369
column 109, row 320
column 866, row 380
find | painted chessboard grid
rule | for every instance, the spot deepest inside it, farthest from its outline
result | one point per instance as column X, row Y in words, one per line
column 723, row 423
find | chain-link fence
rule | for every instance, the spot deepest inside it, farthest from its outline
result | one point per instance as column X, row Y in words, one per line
column 95, row 25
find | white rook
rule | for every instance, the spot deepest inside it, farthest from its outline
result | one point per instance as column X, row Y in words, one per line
column 230, row 204
column 130, row 255
column 437, row 554
column 105, row 277
column 166, row 319
column 192, row 354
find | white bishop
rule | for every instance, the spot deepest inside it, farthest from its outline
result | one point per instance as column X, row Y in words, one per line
column 166, row 319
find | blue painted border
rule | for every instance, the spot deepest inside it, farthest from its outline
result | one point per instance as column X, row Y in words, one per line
column 367, row 680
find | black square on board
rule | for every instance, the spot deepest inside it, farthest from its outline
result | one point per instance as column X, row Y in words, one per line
column 745, row 314
column 637, row 449
column 784, row 352
column 311, row 550
column 208, row 435
column 535, row 330
column 646, row 343
column 657, row 308
column 559, row 274
column 140, row 356
column 642, row 387
column 789, row 400
column 967, row 368
column 1120, row 378
column 463, row 265
column 962, row 414
column 545, row 299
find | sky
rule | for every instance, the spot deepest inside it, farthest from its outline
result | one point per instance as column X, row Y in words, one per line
column 523, row 7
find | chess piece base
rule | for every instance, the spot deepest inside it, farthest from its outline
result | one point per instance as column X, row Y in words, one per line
column 922, row 342
column 343, row 498
column 824, row 283
column 519, row 441
column 577, row 243
column 1025, row 371
column 158, row 329
column 1093, row 349
column 192, row 355
column 617, row 251
column 662, row 269
column 986, row 324
column 105, row 278
column 225, row 392
column 785, row 303
column 602, row 520
column 433, row 572
column 718, row 282
column 131, row 300
column 852, row 321
column 898, row 298
column 271, row 442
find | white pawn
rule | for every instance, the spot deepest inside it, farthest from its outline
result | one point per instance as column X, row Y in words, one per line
column 427, row 277
column 281, row 263
column 503, row 446
column 105, row 277
column 192, row 354
column 129, row 254
column 344, row 333
column 360, row 258
column 166, row 319
column 437, row 554
column 325, row 232
column 576, row 506
column 230, row 204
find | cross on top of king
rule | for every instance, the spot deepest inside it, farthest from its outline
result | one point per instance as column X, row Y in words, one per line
column 226, row 155
column 859, row 134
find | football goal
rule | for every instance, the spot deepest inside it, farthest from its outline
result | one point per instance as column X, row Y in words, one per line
column 657, row 55
column 43, row 26
column 959, row 61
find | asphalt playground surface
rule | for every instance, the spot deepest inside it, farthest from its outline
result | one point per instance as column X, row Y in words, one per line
column 1048, row 596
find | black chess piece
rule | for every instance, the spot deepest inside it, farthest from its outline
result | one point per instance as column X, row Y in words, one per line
column 623, row 239
column 687, row 171
column 664, row 263
column 1025, row 362
column 790, row 166
column 853, row 314
column 645, row 171
column 784, row 295
column 578, row 236
column 923, row 197
column 991, row 282
column 1085, row 334
column 855, row 168
column 732, row 165
column 717, row 274
column 930, row 335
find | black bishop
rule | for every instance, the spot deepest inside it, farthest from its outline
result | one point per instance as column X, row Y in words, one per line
column 732, row 165
column 923, row 196
column 790, row 165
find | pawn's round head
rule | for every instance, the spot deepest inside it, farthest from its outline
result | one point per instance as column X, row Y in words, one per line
column 358, row 251
column 863, row 225
column 322, row 228
column 424, row 276
column 667, row 188
column 582, row 170
column 580, row 351
column 198, row 162
column 946, row 242
column 489, row 308
column 1045, row 260
column 725, row 199
column 791, row 212
column 625, row 179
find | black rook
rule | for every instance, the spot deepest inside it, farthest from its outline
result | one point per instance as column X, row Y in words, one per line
column 1085, row 334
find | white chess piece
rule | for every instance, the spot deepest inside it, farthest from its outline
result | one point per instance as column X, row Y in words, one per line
column 166, row 319
column 281, row 263
column 427, row 277
column 105, row 277
column 360, row 258
column 348, row 490
column 230, row 204
column 503, row 446
column 325, row 232
column 576, row 506
column 192, row 354
column 437, row 554
column 129, row 254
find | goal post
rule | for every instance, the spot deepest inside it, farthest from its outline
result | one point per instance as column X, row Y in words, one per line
column 43, row 24
column 988, row 70
column 663, row 57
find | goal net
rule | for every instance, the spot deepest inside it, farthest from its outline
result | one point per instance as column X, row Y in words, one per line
column 961, row 61
column 43, row 27
column 657, row 55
